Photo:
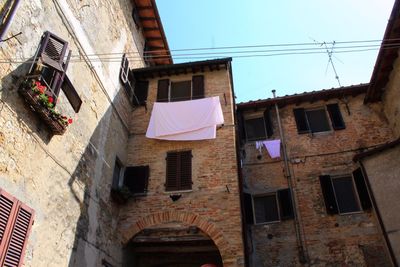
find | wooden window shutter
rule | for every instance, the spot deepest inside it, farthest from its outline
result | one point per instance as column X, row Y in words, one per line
column 52, row 50
column 241, row 125
column 18, row 224
column 248, row 208
column 162, row 92
column 172, row 171
column 336, row 117
column 141, row 91
column 362, row 190
column 185, row 170
column 328, row 193
column 71, row 94
column 301, row 120
column 179, row 171
column 136, row 17
column 124, row 69
column 198, row 86
column 285, row 204
column 136, row 178
column 268, row 122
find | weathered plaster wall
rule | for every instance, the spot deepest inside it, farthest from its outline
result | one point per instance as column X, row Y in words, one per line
column 384, row 178
column 66, row 179
column 390, row 99
column 329, row 240
column 209, row 205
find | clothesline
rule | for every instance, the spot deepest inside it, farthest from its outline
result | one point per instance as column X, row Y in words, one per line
column 185, row 98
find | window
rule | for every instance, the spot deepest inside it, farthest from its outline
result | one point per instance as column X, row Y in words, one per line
column 136, row 17
column 268, row 208
column 16, row 220
column 316, row 120
column 180, row 91
column 51, row 53
column 137, row 90
column 179, row 171
column 259, row 128
column 133, row 179
column 345, row 194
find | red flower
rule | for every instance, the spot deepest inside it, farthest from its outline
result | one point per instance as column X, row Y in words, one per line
column 51, row 100
column 41, row 90
column 38, row 83
column 69, row 121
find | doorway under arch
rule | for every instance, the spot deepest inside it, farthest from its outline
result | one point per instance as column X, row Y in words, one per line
column 173, row 244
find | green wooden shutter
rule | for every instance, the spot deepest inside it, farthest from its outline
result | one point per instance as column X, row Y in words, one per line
column 162, row 92
column 362, row 190
column 336, row 117
column 185, row 170
column 268, row 122
column 328, row 193
column 285, row 204
column 301, row 120
column 171, row 181
column 198, row 87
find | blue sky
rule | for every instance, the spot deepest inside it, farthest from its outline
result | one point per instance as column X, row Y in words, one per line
column 220, row 23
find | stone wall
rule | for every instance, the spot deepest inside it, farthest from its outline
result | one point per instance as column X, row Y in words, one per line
column 66, row 179
column 213, row 203
column 327, row 239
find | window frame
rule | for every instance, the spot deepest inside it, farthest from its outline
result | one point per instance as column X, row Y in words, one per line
column 328, row 119
column 179, row 188
column 277, row 207
column 354, row 188
column 180, row 81
column 265, row 137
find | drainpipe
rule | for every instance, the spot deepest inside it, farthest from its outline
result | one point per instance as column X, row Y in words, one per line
column 9, row 18
column 301, row 246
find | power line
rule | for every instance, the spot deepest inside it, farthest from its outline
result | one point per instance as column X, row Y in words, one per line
column 251, row 54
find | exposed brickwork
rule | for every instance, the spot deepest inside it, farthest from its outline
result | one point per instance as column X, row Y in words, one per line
column 328, row 239
column 213, row 203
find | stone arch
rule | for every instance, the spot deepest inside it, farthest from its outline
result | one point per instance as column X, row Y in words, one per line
column 207, row 227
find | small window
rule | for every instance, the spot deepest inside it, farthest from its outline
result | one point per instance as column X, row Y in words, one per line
column 136, row 17
column 317, row 120
column 265, row 209
column 346, row 195
column 180, row 91
column 136, row 179
column 133, row 179
column 179, row 171
column 255, row 129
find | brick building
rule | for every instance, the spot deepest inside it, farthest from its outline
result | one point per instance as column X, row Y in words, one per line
column 92, row 192
column 331, row 197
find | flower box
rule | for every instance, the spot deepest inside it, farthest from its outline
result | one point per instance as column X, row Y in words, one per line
column 40, row 99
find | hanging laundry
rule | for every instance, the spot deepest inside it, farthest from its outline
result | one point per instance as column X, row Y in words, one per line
column 273, row 147
column 185, row 120
column 259, row 145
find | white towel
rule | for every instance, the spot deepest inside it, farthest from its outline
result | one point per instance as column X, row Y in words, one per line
column 185, row 120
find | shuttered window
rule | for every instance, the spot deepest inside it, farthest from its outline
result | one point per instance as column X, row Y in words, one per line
column 179, row 171
column 259, row 128
column 136, row 178
column 136, row 90
column 16, row 220
column 316, row 120
column 181, row 90
column 345, row 194
column 269, row 208
column 51, row 52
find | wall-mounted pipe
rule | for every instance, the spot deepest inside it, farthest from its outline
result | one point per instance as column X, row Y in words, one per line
column 9, row 18
column 302, row 251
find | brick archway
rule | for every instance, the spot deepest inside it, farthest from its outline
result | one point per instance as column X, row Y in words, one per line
column 207, row 227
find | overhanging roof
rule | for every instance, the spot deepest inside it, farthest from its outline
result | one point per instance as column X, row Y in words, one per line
column 376, row 150
column 156, row 50
column 306, row 97
column 182, row 68
column 387, row 55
